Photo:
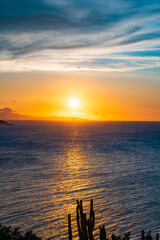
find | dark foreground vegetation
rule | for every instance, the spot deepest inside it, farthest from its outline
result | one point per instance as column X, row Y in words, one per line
column 85, row 229
column 8, row 233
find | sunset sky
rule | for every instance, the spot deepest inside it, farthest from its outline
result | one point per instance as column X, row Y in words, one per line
column 105, row 54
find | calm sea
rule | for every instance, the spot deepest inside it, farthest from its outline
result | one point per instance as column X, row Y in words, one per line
column 46, row 166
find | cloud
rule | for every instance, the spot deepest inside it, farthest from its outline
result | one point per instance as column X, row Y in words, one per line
column 6, row 110
column 48, row 15
column 7, row 113
column 65, row 35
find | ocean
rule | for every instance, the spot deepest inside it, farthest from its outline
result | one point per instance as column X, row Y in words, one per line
column 46, row 166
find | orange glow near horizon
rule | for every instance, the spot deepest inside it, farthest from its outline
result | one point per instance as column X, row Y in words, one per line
column 77, row 95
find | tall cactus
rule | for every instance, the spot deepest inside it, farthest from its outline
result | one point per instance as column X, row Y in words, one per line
column 142, row 235
column 91, row 221
column 157, row 236
column 69, row 227
column 85, row 227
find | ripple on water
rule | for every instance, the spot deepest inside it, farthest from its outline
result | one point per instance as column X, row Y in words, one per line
column 46, row 166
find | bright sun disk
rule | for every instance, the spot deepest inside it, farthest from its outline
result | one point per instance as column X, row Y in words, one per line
column 74, row 103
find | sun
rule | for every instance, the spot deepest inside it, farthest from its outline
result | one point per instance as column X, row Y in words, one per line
column 74, row 103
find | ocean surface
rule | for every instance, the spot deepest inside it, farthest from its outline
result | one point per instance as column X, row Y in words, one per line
column 46, row 166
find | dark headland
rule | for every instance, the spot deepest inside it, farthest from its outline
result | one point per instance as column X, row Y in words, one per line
column 5, row 123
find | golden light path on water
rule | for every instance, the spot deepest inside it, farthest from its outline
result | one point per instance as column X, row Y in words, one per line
column 72, row 185
column 75, row 183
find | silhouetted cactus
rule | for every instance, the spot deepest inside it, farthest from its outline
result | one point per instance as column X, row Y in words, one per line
column 86, row 227
column 102, row 233
column 157, row 236
column 148, row 236
column 69, row 227
column 142, row 235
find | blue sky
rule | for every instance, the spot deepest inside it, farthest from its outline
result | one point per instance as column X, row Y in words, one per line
column 69, row 35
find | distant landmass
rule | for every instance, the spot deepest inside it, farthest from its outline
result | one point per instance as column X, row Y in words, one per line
column 7, row 114
column 5, row 123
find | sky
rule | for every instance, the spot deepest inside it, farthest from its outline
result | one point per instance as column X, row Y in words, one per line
column 104, row 53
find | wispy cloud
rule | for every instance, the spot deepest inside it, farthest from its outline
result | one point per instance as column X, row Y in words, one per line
column 69, row 35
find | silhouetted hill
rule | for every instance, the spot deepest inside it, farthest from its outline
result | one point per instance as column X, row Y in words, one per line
column 7, row 114
column 4, row 123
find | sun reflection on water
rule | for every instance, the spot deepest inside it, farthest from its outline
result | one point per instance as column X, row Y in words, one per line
column 72, row 184
column 75, row 182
